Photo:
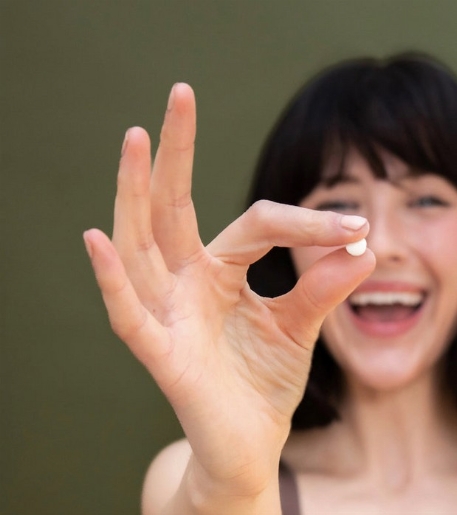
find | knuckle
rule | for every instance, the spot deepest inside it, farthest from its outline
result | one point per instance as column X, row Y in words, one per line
column 145, row 243
column 112, row 286
column 260, row 212
column 318, row 226
column 175, row 141
column 316, row 221
column 127, row 327
column 133, row 182
column 181, row 201
column 316, row 303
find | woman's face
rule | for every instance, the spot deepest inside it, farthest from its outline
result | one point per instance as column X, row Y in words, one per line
column 398, row 323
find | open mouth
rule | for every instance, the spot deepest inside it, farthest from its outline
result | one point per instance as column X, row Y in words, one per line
column 385, row 306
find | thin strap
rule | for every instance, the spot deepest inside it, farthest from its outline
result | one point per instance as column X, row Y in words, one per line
column 288, row 489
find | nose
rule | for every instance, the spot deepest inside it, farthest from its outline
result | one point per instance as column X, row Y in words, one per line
column 387, row 238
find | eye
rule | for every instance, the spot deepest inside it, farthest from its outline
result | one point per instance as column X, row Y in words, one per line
column 337, row 205
column 428, row 201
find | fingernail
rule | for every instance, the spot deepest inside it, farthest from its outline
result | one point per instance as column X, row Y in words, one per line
column 88, row 245
column 352, row 222
column 124, row 144
column 171, row 98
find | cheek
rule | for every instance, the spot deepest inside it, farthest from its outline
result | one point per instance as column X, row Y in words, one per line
column 304, row 257
column 438, row 246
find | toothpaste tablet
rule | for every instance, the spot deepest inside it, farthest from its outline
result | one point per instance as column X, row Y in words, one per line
column 357, row 248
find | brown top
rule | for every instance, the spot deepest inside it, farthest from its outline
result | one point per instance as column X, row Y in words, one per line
column 288, row 489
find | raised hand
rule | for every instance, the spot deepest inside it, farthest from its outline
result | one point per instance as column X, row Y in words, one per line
column 232, row 364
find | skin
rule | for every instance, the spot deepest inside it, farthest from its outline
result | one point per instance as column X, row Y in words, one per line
column 232, row 364
column 411, row 219
column 395, row 449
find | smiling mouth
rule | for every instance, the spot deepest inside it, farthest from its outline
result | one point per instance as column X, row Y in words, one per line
column 385, row 307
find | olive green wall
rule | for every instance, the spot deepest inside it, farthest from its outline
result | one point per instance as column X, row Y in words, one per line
column 80, row 418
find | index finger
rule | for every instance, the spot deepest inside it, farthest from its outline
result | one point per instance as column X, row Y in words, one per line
column 268, row 224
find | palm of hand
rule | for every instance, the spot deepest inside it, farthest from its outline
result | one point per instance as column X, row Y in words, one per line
column 232, row 364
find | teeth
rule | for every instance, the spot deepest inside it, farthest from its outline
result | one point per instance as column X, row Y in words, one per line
column 386, row 298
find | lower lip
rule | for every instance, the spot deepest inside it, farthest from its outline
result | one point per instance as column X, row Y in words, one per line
column 386, row 329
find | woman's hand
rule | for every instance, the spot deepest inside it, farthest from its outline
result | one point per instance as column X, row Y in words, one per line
column 233, row 365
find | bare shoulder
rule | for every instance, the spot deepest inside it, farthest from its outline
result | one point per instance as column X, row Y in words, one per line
column 164, row 476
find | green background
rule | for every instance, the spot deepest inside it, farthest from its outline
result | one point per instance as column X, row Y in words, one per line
column 80, row 418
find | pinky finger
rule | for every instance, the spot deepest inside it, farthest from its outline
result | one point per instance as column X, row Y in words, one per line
column 129, row 319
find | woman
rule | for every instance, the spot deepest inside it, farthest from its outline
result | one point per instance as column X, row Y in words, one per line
column 376, row 431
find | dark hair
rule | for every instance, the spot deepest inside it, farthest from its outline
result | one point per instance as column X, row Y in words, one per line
column 405, row 104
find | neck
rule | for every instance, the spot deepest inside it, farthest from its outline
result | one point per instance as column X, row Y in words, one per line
column 397, row 435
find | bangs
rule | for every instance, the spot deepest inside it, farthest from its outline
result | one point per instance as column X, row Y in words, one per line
column 405, row 105
column 379, row 109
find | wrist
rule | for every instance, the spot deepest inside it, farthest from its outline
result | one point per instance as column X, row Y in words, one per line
column 245, row 494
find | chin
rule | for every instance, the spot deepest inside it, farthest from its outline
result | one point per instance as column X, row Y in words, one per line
column 379, row 362
column 384, row 376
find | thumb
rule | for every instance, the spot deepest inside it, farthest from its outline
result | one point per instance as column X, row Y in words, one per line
column 327, row 283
